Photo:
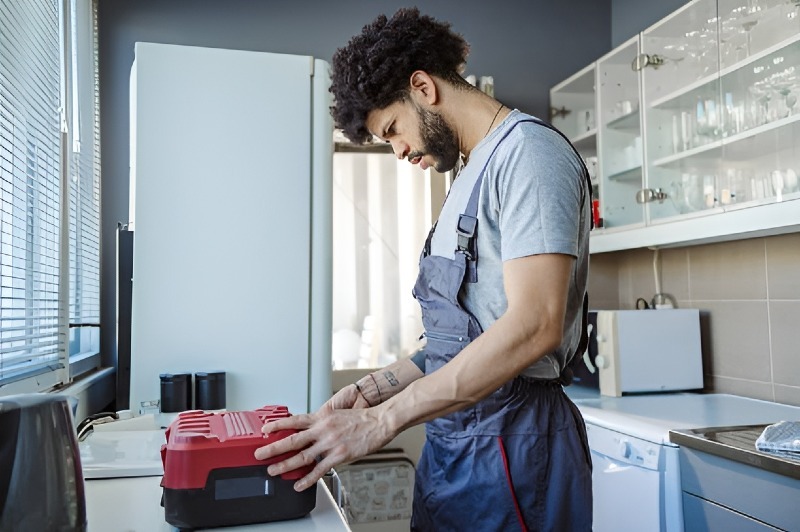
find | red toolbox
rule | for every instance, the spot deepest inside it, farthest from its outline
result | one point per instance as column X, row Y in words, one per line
column 212, row 478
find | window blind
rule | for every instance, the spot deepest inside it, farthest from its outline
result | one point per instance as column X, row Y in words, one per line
column 30, row 67
column 84, row 182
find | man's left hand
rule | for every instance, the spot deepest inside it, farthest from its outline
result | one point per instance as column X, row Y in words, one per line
column 336, row 436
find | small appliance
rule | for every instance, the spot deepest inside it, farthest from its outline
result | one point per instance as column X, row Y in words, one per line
column 212, row 478
column 41, row 483
column 648, row 351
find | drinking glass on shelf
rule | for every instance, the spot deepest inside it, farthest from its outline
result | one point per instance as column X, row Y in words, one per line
column 692, row 187
column 733, row 114
column 787, row 87
column 709, row 193
column 791, row 180
column 783, row 181
column 727, row 183
column 761, row 109
column 748, row 19
column 733, row 41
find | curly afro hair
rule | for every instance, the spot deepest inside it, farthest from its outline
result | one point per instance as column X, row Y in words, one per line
column 373, row 70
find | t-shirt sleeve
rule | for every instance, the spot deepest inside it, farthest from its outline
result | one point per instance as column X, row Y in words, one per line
column 539, row 194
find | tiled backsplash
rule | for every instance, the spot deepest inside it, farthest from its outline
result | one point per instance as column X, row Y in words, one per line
column 748, row 292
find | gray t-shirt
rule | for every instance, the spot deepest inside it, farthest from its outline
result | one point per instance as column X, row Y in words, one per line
column 533, row 200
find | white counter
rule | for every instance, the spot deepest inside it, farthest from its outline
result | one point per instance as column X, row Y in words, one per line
column 134, row 505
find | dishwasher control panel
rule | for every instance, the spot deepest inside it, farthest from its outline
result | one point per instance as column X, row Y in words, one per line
column 623, row 447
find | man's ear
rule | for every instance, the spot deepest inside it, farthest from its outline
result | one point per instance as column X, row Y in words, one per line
column 423, row 87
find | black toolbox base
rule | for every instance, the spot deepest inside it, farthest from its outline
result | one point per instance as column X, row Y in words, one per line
column 237, row 496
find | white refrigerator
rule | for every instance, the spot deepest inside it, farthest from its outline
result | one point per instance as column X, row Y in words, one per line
column 231, row 156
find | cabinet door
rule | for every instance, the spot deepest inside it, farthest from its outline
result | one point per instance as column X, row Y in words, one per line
column 760, row 88
column 620, row 136
column 572, row 107
column 680, row 80
column 700, row 515
column 573, row 104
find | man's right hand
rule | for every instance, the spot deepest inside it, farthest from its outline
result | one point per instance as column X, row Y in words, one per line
column 347, row 397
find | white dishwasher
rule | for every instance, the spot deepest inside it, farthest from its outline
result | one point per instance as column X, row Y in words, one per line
column 635, row 469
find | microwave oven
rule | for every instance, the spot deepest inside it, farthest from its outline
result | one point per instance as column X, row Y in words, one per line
column 641, row 351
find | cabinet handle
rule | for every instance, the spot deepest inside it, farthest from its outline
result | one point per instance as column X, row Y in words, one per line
column 556, row 112
column 647, row 195
column 644, row 60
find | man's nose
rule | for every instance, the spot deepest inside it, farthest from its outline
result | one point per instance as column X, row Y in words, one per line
column 401, row 149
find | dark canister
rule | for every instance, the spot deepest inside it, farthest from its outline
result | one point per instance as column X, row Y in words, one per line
column 176, row 392
column 41, row 483
column 209, row 390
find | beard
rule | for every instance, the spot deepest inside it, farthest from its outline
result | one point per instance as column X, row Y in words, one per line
column 438, row 141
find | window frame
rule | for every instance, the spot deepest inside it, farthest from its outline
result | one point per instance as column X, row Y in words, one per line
column 82, row 361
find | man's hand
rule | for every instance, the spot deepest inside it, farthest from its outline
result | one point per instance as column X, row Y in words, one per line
column 335, row 436
column 346, row 398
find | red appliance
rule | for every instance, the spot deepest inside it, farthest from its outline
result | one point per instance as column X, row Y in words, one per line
column 212, row 478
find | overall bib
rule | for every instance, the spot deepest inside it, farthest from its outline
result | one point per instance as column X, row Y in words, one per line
column 517, row 460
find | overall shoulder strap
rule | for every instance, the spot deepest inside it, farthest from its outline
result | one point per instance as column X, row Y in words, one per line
column 467, row 227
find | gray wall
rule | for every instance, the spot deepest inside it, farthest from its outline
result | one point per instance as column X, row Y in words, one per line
column 629, row 17
column 527, row 46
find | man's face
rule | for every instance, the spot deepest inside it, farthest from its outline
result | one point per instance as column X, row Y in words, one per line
column 420, row 135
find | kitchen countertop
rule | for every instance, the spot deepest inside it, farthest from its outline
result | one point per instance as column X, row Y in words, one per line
column 654, row 415
column 738, row 444
column 133, row 504
column 577, row 392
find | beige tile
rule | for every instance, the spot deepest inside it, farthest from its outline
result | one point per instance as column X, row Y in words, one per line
column 735, row 339
column 743, row 387
column 604, row 279
column 675, row 273
column 626, row 298
column 728, row 271
column 783, row 317
column 783, row 258
column 788, row 395
column 602, row 304
column 636, row 277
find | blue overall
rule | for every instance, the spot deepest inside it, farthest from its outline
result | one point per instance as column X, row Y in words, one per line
column 517, row 460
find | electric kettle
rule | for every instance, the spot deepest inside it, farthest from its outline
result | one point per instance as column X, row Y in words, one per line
column 41, row 483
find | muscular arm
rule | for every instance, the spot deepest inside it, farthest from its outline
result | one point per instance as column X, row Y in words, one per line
column 536, row 289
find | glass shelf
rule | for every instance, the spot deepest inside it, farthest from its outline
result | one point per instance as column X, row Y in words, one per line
column 707, row 85
column 572, row 106
column 628, row 122
column 585, row 141
column 743, row 146
column 631, row 174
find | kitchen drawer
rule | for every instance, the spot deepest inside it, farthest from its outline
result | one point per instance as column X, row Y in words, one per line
column 700, row 515
column 762, row 495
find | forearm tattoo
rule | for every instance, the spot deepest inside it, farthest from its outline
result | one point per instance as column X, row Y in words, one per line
column 391, row 378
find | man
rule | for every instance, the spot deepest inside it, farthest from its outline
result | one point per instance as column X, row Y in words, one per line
column 502, row 288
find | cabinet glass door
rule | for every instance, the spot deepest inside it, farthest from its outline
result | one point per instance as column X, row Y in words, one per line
column 760, row 89
column 620, row 136
column 572, row 111
column 681, row 86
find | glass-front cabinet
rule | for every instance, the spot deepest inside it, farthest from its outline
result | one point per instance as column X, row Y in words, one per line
column 620, row 136
column 698, row 123
column 573, row 104
column 759, row 89
column 679, row 65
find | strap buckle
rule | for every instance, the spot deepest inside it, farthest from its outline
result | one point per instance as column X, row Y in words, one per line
column 465, row 229
column 466, row 225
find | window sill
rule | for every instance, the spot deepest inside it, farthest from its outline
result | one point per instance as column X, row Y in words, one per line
column 83, row 363
column 94, row 392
